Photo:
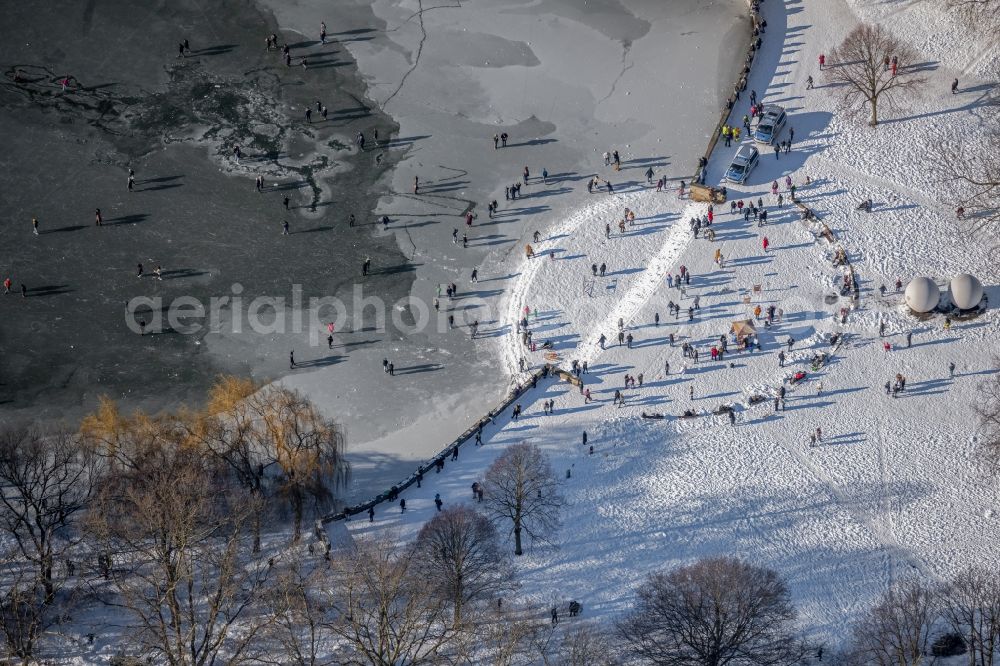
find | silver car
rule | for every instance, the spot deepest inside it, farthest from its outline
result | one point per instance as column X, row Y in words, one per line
column 769, row 126
column 743, row 163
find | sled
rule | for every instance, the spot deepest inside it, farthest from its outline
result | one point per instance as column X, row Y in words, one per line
column 706, row 194
column 797, row 377
column 826, row 233
column 653, row 415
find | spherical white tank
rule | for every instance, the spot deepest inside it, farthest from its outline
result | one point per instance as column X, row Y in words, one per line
column 966, row 291
column 922, row 294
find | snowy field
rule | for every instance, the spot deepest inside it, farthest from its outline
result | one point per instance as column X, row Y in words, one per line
column 894, row 486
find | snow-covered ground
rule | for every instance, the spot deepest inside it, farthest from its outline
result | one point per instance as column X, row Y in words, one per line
column 894, row 487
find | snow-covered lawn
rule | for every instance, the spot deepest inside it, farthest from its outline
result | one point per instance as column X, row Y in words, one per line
column 894, row 488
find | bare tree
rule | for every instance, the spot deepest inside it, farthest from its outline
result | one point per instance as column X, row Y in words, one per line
column 181, row 557
column 973, row 173
column 858, row 66
column 25, row 615
column 459, row 551
column 970, row 603
column 47, row 481
column 896, row 632
column 505, row 635
column 714, row 612
column 299, row 615
column 982, row 15
column 385, row 611
column 584, row 644
column 988, row 411
column 521, row 488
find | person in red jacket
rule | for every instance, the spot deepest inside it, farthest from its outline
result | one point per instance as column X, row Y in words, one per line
column 766, row 243
column 822, row 60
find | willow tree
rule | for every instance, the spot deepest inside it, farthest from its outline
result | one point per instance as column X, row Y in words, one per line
column 306, row 447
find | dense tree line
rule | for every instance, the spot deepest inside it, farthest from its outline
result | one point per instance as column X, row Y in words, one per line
column 178, row 522
column 170, row 522
column 161, row 515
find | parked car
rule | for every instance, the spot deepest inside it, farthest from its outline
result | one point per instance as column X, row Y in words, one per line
column 770, row 125
column 743, row 163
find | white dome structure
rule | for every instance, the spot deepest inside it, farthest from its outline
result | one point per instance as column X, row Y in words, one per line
column 922, row 294
column 966, row 291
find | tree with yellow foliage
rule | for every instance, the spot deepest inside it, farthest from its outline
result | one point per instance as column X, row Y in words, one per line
column 271, row 440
